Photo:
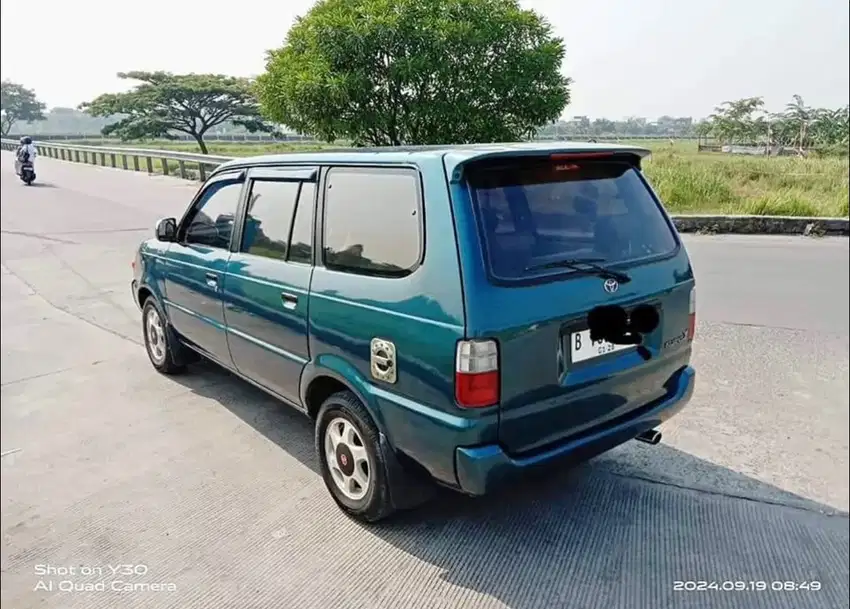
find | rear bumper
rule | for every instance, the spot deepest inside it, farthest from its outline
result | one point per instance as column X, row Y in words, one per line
column 481, row 468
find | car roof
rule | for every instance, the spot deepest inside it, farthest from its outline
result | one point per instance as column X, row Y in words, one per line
column 454, row 155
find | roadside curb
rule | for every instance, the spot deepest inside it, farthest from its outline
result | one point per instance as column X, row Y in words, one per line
column 763, row 225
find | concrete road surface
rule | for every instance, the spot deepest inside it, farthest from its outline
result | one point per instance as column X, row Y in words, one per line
column 125, row 489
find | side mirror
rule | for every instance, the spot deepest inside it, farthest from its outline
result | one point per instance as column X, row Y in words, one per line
column 166, row 229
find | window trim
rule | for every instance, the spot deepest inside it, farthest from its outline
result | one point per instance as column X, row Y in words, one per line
column 320, row 218
column 243, row 215
column 282, row 172
column 234, row 177
column 555, row 275
column 312, row 260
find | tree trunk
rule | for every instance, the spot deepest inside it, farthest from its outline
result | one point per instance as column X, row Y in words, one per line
column 201, row 143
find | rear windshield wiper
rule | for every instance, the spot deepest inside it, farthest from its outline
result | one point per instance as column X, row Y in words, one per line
column 585, row 265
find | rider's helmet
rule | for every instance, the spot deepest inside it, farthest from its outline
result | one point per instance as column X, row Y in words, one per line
column 26, row 140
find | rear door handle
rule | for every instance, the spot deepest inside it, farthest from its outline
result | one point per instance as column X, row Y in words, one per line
column 289, row 300
column 212, row 280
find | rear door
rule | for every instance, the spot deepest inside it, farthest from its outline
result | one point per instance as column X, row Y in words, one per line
column 531, row 216
column 268, row 280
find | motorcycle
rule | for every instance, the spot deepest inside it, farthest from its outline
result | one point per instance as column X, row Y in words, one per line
column 27, row 173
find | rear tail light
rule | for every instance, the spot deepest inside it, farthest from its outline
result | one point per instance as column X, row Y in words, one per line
column 692, row 314
column 477, row 373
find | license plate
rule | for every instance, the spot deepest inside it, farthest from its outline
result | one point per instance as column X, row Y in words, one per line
column 583, row 349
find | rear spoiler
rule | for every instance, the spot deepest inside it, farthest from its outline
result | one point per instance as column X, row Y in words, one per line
column 633, row 156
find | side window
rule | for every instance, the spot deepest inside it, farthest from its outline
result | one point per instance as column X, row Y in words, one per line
column 269, row 218
column 212, row 221
column 372, row 221
column 301, row 249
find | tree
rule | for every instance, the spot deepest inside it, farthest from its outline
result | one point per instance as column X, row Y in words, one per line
column 603, row 126
column 799, row 114
column 188, row 103
column 802, row 127
column 703, row 128
column 831, row 127
column 739, row 121
column 783, row 132
column 17, row 103
column 391, row 72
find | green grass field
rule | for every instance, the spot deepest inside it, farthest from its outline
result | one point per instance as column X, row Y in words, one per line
column 688, row 182
column 692, row 183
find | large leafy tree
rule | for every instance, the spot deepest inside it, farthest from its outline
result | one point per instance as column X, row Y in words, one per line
column 189, row 103
column 390, row 72
column 740, row 120
column 806, row 126
column 18, row 104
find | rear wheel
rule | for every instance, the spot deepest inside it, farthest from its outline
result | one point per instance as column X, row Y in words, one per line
column 353, row 465
column 160, row 343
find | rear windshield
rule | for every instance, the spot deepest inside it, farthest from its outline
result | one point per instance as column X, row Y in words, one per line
column 535, row 213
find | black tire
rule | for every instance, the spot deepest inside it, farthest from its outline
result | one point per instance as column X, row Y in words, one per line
column 173, row 361
column 376, row 504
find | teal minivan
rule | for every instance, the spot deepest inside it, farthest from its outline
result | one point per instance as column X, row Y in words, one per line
column 432, row 309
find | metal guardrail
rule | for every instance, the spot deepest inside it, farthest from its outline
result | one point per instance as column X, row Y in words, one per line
column 237, row 138
column 187, row 165
column 255, row 138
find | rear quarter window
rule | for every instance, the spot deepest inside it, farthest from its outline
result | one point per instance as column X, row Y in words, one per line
column 534, row 213
column 373, row 221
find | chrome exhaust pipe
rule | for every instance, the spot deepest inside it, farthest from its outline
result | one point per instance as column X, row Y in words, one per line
column 652, row 436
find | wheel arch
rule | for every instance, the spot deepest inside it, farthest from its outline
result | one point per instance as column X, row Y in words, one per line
column 145, row 290
column 327, row 375
column 142, row 294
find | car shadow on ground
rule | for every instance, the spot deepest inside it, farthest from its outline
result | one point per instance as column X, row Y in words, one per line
column 618, row 531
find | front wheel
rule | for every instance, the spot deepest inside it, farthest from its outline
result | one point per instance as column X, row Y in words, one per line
column 160, row 343
column 352, row 463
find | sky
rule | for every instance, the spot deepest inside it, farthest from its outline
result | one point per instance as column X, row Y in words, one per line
column 626, row 57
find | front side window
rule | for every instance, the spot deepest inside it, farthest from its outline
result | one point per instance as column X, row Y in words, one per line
column 373, row 223
column 212, row 222
column 534, row 214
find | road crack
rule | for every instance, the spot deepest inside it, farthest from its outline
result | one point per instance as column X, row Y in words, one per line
column 102, row 231
column 103, row 295
column 69, row 312
column 832, row 513
column 40, row 237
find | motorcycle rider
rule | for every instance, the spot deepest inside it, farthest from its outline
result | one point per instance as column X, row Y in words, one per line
column 26, row 152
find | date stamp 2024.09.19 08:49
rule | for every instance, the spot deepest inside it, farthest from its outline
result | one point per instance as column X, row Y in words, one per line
column 746, row 585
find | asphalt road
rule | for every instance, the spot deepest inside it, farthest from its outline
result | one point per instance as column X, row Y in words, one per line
column 209, row 488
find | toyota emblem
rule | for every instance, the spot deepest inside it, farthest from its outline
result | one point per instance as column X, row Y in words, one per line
column 611, row 285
